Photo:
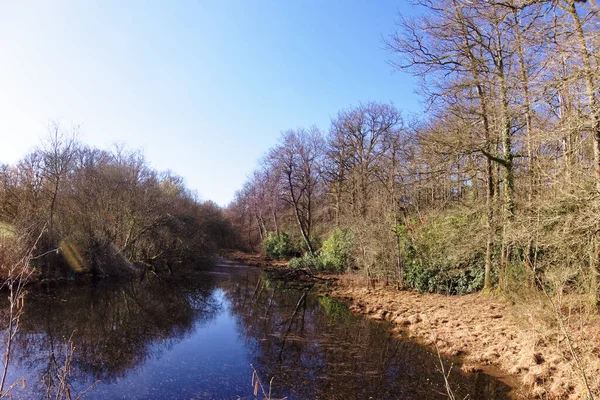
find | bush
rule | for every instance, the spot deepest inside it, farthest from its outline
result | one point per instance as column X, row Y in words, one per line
column 447, row 281
column 419, row 278
column 312, row 261
column 337, row 250
column 335, row 255
column 278, row 246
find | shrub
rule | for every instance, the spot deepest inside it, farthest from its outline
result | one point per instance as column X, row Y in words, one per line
column 277, row 246
column 420, row 278
column 335, row 255
column 312, row 261
column 447, row 281
column 337, row 250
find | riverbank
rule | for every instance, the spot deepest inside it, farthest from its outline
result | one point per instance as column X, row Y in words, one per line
column 527, row 343
column 253, row 259
column 546, row 355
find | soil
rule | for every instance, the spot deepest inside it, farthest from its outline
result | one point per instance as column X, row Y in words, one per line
column 484, row 330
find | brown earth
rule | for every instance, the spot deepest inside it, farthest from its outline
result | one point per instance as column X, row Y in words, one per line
column 523, row 342
column 542, row 351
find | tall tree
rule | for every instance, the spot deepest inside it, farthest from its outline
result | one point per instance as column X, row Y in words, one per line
column 297, row 162
column 58, row 155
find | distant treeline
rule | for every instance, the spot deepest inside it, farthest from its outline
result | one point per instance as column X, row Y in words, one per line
column 497, row 186
column 102, row 212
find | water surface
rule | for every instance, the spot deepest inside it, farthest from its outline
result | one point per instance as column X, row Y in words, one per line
column 196, row 337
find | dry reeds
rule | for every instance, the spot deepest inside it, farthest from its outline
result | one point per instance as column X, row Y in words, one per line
column 258, row 388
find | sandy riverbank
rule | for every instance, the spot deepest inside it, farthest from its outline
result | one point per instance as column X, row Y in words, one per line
column 485, row 330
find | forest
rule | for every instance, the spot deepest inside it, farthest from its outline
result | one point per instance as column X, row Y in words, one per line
column 495, row 188
column 67, row 208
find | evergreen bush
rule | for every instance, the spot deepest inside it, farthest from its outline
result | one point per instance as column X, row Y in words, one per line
column 337, row 250
column 277, row 246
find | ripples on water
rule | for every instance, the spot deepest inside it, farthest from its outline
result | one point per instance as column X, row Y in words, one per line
column 195, row 337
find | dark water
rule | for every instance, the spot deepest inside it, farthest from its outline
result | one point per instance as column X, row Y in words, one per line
column 196, row 337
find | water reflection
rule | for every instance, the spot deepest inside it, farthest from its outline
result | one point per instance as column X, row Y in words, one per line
column 114, row 328
column 316, row 348
column 195, row 337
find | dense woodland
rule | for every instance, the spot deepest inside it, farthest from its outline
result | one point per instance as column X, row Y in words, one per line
column 496, row 187
column 83, row 209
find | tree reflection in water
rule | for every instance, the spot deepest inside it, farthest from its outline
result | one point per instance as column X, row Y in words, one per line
column 324, row 351
column 196, row 336
column 114, row 328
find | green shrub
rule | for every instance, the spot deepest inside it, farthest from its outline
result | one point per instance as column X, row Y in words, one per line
column 466, row 281
column 434, row 279
column 337, row 250
column 312, row 261
column 335, row 255
column 420, row 278
column 297, row 244
column 297, row 263
column 278, row 246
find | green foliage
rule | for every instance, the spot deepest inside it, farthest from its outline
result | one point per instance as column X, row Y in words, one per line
column 467, row 281
column 277, row 246
column 312, row 261
column 445, row 253
column 405, row 243
column 335, row 255
column 420, row 278
column 447, row 281
column 269, row 283
column 337, row 250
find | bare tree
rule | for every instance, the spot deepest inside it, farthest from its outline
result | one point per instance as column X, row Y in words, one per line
column 58, row 155
column 296, row 160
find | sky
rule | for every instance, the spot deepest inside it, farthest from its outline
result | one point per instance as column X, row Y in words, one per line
column 203, row 88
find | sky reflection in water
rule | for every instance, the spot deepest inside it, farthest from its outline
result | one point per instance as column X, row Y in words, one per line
column 197, row 341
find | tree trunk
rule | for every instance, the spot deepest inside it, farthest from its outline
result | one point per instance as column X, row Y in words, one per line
column 276, row 221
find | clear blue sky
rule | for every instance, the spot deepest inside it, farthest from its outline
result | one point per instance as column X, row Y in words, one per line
column 204, row 88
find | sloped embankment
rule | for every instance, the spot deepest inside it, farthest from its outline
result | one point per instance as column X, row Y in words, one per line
column 483, row 330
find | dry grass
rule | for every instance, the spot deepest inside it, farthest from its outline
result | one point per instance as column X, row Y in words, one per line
column 259, row 390
column 551, row 355
column 15, row 272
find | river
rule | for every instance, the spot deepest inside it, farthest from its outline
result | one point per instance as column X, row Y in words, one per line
column 199, row 336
